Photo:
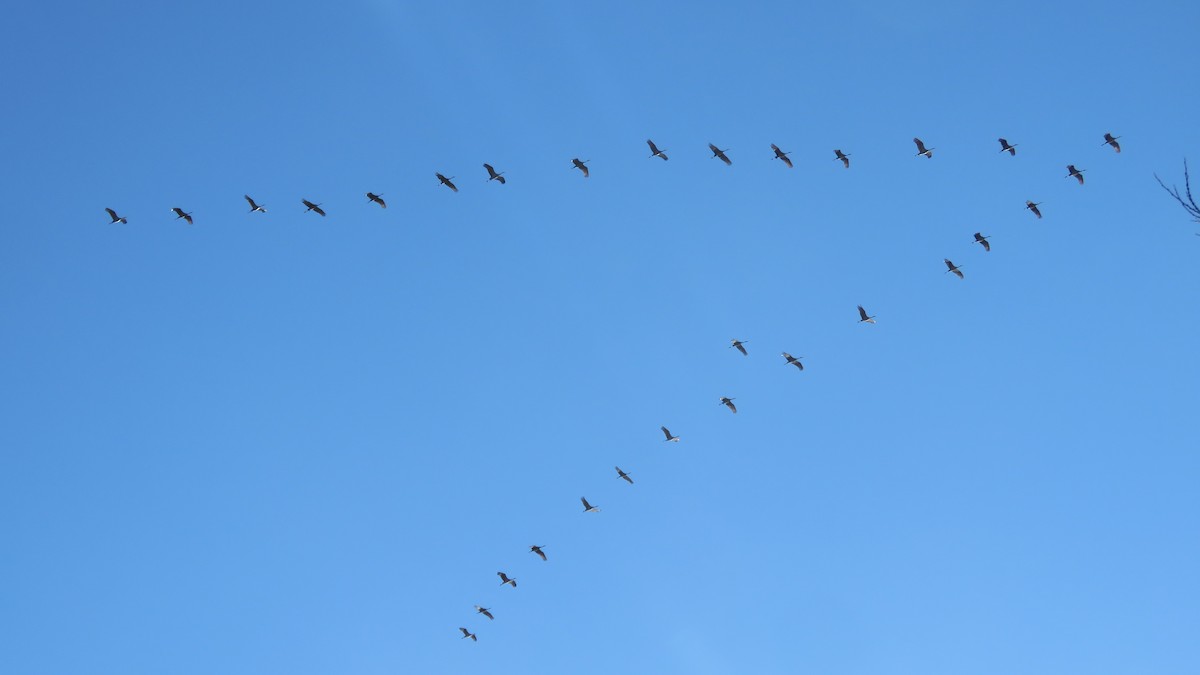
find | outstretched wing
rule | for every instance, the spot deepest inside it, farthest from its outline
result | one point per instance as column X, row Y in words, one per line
column 862, row 313
column 666, row 432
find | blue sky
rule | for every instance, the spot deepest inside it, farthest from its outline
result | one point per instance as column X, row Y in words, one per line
column 284, row 443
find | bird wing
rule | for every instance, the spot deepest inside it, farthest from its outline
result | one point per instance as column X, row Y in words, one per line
column 778, row 152
column 112, row 214
column 949, row 265
column 653, row 147
column 986, row 246
column 786, row 160
column 586, row 505
column 319, row 211
column 584, row 169
column 543, row 555
column 501, row 179
column 798, row 364
column 920, row 146
column 862, row 312
column 724, row 158
column 957, row 272
column 486, row 613
column 451, row 185
column 490, row 170
column 845, row 161
column 666, row 432
column 188, row 218
column 379, row 200
column 731, row 406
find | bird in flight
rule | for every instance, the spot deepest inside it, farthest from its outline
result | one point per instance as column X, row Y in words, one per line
column 720, row 154
column 951, row 267
column 863, row 313
column 115, row 218
column 779, row 154
column 921, row 149
column 654, row 151
column 468, row 634
column 728, row 403
column 667, row 433
column 446, row 181
column 844, row 157
column 983, row 241
column 582, row 166
column 1077, row 174
column 315, row 208
column 254, row 206
column 538, row 550
column 1011, row 149
column 486, row 611
column 1109, row 139
column 622, row 474
column 378, row 199
column 795, row 361
column 1033, row 206
column 492, row 175
column 737, row 344
column 505, row 580
column 588, row 508
column 180, row 214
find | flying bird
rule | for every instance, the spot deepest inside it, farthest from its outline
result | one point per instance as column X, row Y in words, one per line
column 1004, row 146
column 844, row 157
column 446, row 181
column 588, row 508
column 1072, row 172
column 180, row 214
column 983, row 241
column 921, row 149
column 486, row 611
column 728, row 403
column 377, row 199
column 667, row 433
column 1109, row 139
column 538, row 550
column 779, row 154
column 582, row 166
column 622, row 474
column 737, row 344
column 795, row 361
column 1032, row 206
column 863, row 313
column 492, row 175
column 315, row 208
column 254, row 206
column 505, row 580
column 951, row 267
column 468, row 634
column 654, row 151
column 720, row 154
column 115, row 218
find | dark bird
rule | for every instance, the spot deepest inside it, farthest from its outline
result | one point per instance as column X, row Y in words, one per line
column 468, row 634
column 719, row 153
column 844, row 157
column 538, row 550
column 1109, row 139
column 492, row 175
column 115, row 218
column 505, row 580
column 667, row 433
column 484, row 611
column 1004, row 146
column 582, row 166
column 795, row 361
column 1072, row 172
column 622, row 474
column 779, row 154
column 951, row 267
column 654, row 151
column 863, row 313
column 983, row 241
column 588, row 508
column 446, row 181
column 1033, row 207
column 315, row 208
column 180, row 214
column 921, row 149
column 737, row 344
column 254, row 206
column 377, row 199
column 728, row 403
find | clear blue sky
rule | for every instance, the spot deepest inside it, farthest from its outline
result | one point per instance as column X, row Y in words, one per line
column 282, row 443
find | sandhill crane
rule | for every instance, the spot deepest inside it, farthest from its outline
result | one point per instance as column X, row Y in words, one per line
column 779, row 154
column 505, row 580
column 492, row 175
column 447, row 182
column 863, row 314
column 1109, row 139
column 1077, row 174
column 254, row 206
column 115, row 218
column 315, row 208
column 983, row 241
column 842, row 156
column 654, row 151
column 794, row 360
column 486, row 611
column 468, row 634
column 180, row 214
column 588, row 508
column 667, row 433
column 737, row 344
column 1011, row 149
column 378, row 199
column 622, row 474
column 728, row 403
column 951, row 267
column 538, row 550
column 1033, row 206
column 582, row 166
column 720, row 154
column 921, row 150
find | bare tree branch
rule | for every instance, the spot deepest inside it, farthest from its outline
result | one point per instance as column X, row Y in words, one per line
column 1186, row 200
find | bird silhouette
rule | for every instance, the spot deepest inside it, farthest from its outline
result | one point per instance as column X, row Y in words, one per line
column 486, row 611
column 378, row 199
column 622, row 474
column 315, row 208
column 1033, row 206
column 254, row 206
column 842, row 156
column 180, row 214
column 1011, row 149
column 115, row 218
column 588, row 508
column 728, row 403
column 582, row 166
column 863, row 313
column 654, row 151
column 667, row 433
column 779, row 154
column 921, row 149
column 538, row 550
column 505, row 580
column 1077, row 174
column 1109, row 139
column 951, row 267
column 468, row 634
column 983, row 241
column 794, row 360
column 492, row 175
column 720, row 154
column 447, row 182
column 737, row 344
